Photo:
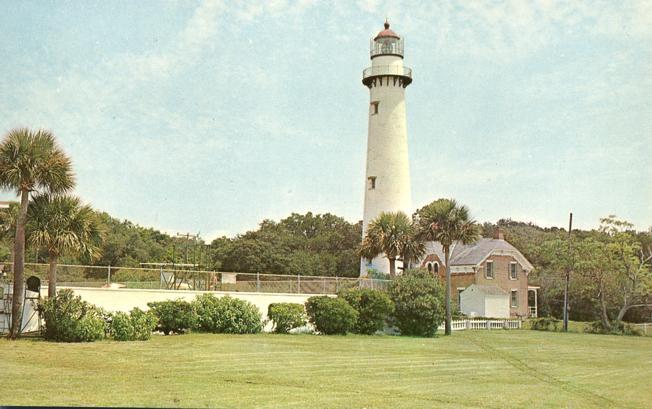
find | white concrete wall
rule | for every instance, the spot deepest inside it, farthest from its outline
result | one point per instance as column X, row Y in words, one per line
column 497, row 306
column 387, row 156
column 472, row 302
column 122, row 299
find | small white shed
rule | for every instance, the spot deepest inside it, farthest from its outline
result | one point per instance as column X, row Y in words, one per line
column 484, row 301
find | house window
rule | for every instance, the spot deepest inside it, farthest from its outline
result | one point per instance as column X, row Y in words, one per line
column 459, row 297
column 489, row 273
column 374, row 107
column 514, row 298
column 372, row 182
column 435, row 267
column 513, row 273
column 429, row 267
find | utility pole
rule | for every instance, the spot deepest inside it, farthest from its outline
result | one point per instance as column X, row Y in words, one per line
column 568, row 271
column 187, row 236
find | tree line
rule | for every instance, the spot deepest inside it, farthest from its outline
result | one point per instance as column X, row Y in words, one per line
column 610, row 266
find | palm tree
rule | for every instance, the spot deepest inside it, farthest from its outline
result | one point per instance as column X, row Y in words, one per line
column 446, row 222
column 62, row 225
column 391, row 234
column 30, row 162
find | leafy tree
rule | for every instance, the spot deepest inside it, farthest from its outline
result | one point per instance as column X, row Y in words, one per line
column 61, row 224
column 30, row 162
column 610, row 272
column 321, row 244
column 446, row 222
column 631, row 264
column 391, row 234
column 8, row 219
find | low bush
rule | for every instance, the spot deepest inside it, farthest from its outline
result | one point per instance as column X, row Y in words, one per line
column 545, row 324
column 373, row 308
column 225, row 315
column 135, row 326
column 286, row 316
column 617, row 328
column 174, row 316
column 418, row 303
column 331, row 315
column 70, row 319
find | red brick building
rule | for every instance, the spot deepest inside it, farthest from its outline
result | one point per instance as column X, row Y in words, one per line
column 498, row 270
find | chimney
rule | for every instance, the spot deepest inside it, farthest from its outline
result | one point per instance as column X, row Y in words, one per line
column 498, row 234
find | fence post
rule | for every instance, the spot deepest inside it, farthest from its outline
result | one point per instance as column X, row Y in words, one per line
column 298, row 283
column 337, row 285
column 258, row 282
column 160, row 277
column 468, row 324
column 108, row 276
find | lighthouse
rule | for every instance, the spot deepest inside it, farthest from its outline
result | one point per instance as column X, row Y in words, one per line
column 387, row 184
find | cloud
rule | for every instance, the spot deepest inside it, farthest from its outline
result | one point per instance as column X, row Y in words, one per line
column 508, row 30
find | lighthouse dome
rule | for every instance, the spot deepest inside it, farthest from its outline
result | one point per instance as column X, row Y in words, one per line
column 387, row 32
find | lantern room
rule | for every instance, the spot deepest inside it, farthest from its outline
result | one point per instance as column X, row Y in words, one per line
column 387, row 42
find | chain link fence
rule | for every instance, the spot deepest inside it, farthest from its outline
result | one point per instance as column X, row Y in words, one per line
column 170, row 278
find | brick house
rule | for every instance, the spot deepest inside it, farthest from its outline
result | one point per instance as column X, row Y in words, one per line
column 497, row 271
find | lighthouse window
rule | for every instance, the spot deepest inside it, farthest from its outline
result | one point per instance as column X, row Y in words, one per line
column 374, row 107
column 372, row 182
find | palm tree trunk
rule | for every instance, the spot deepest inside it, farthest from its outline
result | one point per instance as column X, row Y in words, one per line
column 19, row 268
column 449, row 318
column 392, row 267
column 52, row 276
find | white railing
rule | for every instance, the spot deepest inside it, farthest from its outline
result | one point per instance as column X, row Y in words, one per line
column 645, row 327
column 379, row 70
column 488, row 324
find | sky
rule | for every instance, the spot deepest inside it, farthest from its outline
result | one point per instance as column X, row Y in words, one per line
column 210, row 116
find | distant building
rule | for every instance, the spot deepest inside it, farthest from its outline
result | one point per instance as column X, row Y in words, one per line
column 488, row 278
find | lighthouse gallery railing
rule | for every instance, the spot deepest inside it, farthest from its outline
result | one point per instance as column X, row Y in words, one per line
column 387, row 70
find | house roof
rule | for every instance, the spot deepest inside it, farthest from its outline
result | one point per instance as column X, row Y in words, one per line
column 478, row 252
column 487, row 289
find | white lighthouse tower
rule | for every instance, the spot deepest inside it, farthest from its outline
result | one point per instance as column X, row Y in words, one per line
column 387, row 187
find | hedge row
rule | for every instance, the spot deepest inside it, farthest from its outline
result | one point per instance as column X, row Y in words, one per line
column 68, row 318
column 413, row 305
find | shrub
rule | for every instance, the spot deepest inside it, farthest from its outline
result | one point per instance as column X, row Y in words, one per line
column 286, row 316
column 135, row 326
column 70, row 319
column 418, row 303
column 173, row 316
column 331, row 315
column 545, row 324
column 225, row 315
column 617, row 328
column 373, row 308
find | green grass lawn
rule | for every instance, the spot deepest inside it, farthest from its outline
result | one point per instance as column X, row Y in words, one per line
column 493, row 369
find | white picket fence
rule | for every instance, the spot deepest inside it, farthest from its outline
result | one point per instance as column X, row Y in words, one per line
column 645, row 327
column 460, row 325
